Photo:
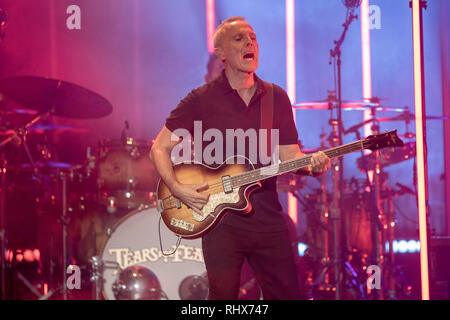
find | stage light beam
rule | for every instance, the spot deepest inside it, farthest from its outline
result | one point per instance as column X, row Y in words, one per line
column 419, row 101
column 291, row 83
column 210, row 24
column 366, row 62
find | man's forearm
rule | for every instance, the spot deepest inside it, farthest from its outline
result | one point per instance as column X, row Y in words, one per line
column 289, row 153
column 163, row 164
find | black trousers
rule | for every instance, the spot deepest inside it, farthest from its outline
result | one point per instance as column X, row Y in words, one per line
column 269, row 254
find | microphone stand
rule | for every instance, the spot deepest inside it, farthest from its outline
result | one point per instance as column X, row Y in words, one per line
column 336, row 54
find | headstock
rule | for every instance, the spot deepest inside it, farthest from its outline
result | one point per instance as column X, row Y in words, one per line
column 382, row 140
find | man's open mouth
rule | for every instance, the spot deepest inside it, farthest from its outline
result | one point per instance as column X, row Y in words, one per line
column 249, row 56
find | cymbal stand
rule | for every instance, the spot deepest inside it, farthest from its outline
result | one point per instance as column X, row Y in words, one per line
column 322, row 280
column 64, row 220
column 2, row 225
column 324, row 217
column 3, row 24
column 390, row 224
column 408, row 135
column 377, row 211
column 335, row 210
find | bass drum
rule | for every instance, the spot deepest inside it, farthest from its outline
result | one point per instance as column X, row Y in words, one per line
column 135, row 241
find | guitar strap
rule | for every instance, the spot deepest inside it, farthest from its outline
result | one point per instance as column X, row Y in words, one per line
column 267, row 115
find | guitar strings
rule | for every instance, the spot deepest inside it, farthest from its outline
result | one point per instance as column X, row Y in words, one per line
column 217, row 187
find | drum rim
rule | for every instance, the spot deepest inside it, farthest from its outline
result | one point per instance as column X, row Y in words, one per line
column 136, row 142
column 120, row 221
column 113, row 229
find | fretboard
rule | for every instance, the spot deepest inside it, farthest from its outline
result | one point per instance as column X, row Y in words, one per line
column 291, row 165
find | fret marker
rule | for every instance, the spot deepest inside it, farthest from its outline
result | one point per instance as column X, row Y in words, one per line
column 226, row 183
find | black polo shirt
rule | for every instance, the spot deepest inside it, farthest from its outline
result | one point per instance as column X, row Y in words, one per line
column 218, row 106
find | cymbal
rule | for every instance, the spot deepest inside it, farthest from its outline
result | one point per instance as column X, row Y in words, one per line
column 390, row 157
column 407, row 116
column 57, row 97
column 346, row 105
column 8, row 110
column 404, row 116
column 48, row 164
column 43, row 128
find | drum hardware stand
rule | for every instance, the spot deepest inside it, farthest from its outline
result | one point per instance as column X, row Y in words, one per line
column 344, row 274
column 335, row 212
column 33, row 289
column 376, row 214
column 97, row 267
column 322, row 280
column 324, row 218
column 394, row 273
column 64, row 221
column 90, row 162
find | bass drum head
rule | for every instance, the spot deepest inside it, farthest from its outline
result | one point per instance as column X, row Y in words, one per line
column 135, row 241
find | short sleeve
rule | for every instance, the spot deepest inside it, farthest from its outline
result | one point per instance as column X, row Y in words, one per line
column 184, row 115
column 286, row 125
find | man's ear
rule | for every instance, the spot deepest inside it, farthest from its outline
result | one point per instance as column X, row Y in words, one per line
column 219, row 53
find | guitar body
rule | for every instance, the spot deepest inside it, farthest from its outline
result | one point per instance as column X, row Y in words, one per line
column 184, row 221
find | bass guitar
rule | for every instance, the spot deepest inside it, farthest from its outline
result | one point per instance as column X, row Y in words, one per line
column 231, row 183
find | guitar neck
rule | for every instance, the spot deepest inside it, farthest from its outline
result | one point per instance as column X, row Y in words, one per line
column 292, row 165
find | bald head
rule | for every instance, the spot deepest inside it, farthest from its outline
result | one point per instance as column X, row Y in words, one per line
column 222, row 28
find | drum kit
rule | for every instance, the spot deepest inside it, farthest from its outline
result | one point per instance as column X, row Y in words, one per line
column 359, row 231
column 99, row 214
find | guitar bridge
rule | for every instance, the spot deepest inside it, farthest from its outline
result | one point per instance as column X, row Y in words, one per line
column 226, row 184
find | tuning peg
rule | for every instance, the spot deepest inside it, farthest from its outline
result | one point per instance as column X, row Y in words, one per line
column 391, row 148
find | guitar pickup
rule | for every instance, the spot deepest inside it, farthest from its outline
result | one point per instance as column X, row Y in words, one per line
column 226, row 184
column 182, row 224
